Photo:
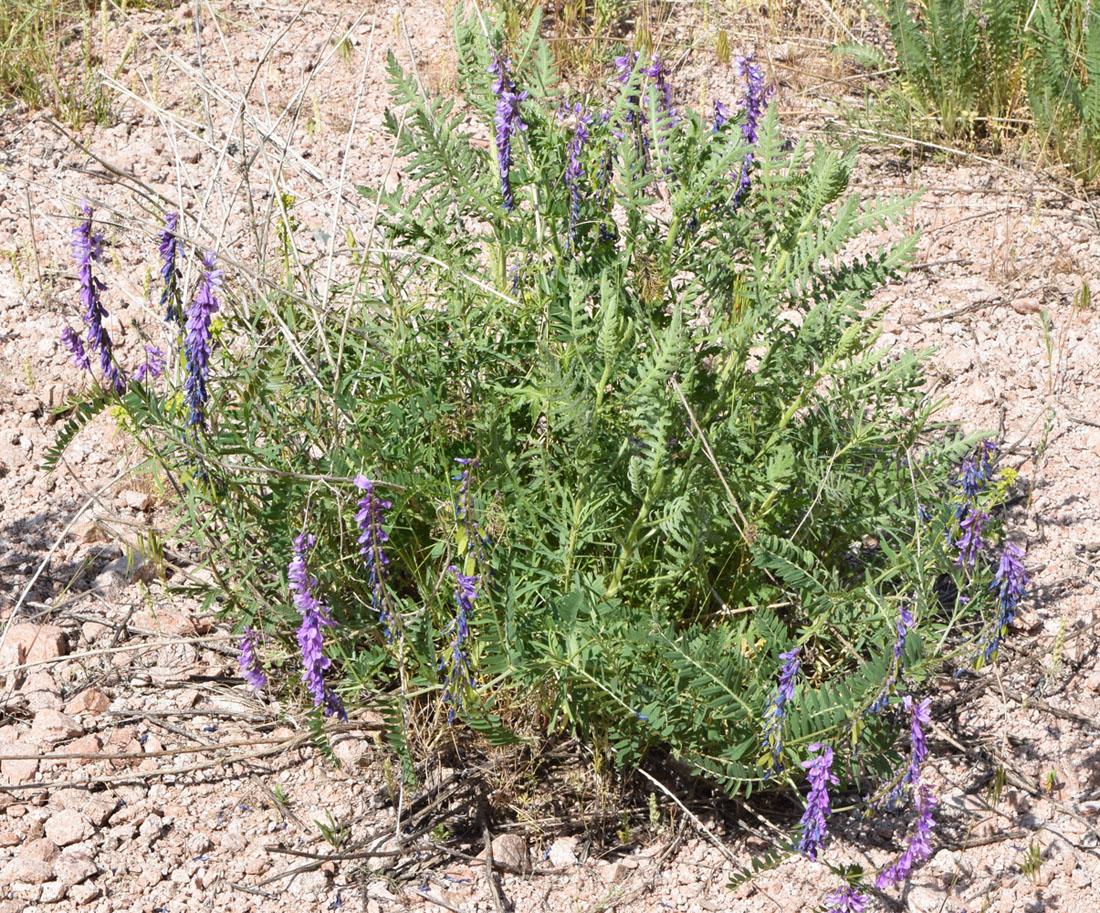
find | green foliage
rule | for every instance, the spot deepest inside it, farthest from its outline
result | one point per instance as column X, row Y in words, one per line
column 965, row 70
column 693, row 452
column 1064, row 83
column 958, row 64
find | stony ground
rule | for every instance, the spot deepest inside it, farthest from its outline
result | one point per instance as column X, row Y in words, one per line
column 136, row 770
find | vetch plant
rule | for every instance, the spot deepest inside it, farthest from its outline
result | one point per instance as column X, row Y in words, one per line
column 641, row 469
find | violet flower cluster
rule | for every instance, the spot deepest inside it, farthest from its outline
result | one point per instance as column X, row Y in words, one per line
column 249, row 660
column 846, row 900
column 372, row 539
column 976, row 470
column 508, row 123
column 73, row 343
column 198, row 341
column 756, row 98
column 919, row 717
column 919, row 847
column 459, row 675
column 315, row 618
column 468, row 589
column 971, row 544
column 1011, row 583
column 170, row 248
column 153, row 366
column 904, row 626
column 820, row 774
column 87, row 249
column 574, row 169
column 776, row 711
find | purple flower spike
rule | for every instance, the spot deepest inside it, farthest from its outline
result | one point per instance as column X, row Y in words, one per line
column 574, row 170
column 87, row 249
column 460, row 676
column 820, row 774
column 971, row 544
column 1011, row 583
column 658, row 72
column 919, row 847
column 72, row 342
column 721, row 115
column 249, row 661
column 846, row 900
column 170, row 248
column 624, row 65
column 198, row 340
column 776, row 709
column 372, row 539
column 919, row 717
column 757, row 94
column 976, row 469
column 315, row 617
column 508, row 123
column 153, row 365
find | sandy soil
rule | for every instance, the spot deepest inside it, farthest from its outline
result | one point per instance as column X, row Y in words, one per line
column 137, row 772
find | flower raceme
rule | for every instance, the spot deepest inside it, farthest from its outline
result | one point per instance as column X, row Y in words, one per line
column 919, row 847
column 846, row 900
column 249, row 661
column 315, row 617
column 198, row 341
column 372, row 539
column 88, row 249
column 170, row 247
column 508, row 123
column 776, row 709
column 820, row 774
column 1011, row 583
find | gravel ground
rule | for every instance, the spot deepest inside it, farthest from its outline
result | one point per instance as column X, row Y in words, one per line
column 137, row 772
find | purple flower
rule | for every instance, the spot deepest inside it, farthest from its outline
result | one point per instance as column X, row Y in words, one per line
column 976, row 469
column 820, row 774
column 1011, row 583
column 756, row 100
column 153, row 365
column 658, row 72
column 971, row 544
column 919, row 847
column 574, row 169
column 721, row 115
column 460, row 675
column 904, row 625
column 919, row 717
column 624, row 65
column 170, row 247
column 776, row 709
column 251, row 667
column 508, row 123
column 72, row 342
column 88, row 248
column 372, row 540
column 846, row 900
column 315, row 617
column 198, row 340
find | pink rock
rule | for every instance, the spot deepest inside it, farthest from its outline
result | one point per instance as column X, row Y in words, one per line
column 52, row 892
column 74, row 866
column 90, row 700
column 27, row 643
column 18, row 772
column 41, row 691
column 68, row 826
column 83, row 893
column 8, row 837
column 52, row 726
column 27, row 871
